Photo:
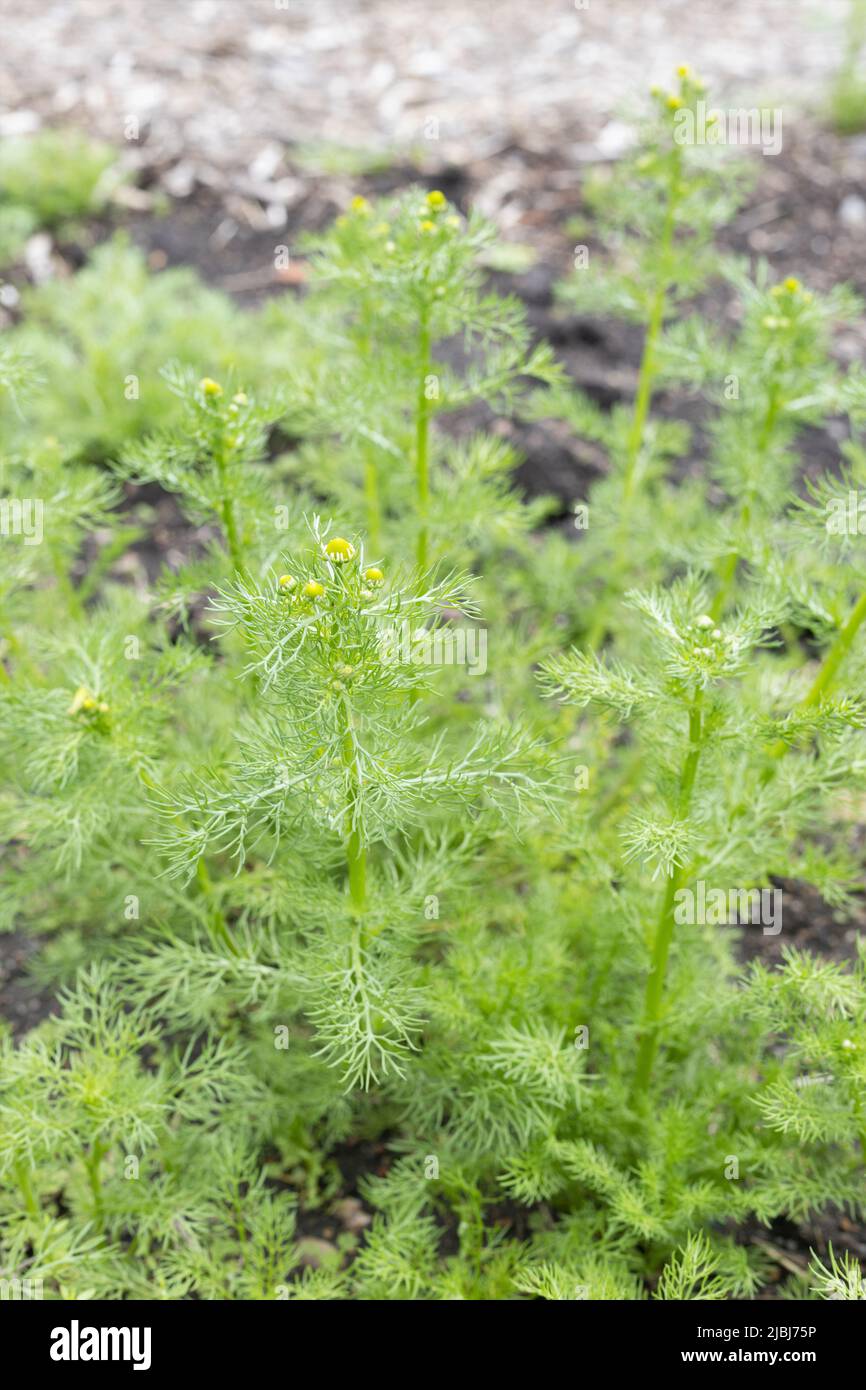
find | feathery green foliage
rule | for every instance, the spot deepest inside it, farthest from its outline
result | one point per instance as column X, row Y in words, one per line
column 374, row 811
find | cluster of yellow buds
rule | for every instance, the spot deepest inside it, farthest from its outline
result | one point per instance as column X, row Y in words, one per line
column 287, row 585
column 338, row 551
column 435, row 202
column 690, row 84
column 792, row 287
column 789, row 290
column 85, row 702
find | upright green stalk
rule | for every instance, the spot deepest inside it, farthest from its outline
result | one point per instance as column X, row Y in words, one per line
column 643, row 397
column 829, row 666
column 227, row 512
column 728, row 567
column 371, row 499
column 371, row 472
column 664, row 931
column 655, row 323
column 215, row 918
column 22, row 1173
column 92, row 1162
column 837, row 653
column 422, row 439
column 356, row 854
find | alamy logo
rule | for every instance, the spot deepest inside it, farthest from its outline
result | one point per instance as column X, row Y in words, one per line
column 438, row 646
column 76, row 1343
column 739, row 126
column 846, row 516
column 20, row 1290
column 717, row 907
column 22, row 516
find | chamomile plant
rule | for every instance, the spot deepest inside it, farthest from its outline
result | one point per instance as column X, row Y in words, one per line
column 656, row 213
column 304, row 878
column 413, row 335
column 336, row 789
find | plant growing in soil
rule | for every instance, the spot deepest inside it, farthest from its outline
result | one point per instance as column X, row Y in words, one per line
column 308, row 883
column 655, row 213
column 413, row 335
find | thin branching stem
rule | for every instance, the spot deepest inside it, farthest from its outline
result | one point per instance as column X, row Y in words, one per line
column 654, row 995
column 422, row 439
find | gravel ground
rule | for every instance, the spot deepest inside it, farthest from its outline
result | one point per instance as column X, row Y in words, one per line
column 219, row 86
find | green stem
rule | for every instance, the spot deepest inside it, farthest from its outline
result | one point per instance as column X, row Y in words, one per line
column 837, row 653
column 649, row 1035
column 643, row 396
column 22, row 1174
column 829, row 666
column 218, row 923
column 231, row 530
column 422, row 441
column 658, row 306
column 91, row 1163
column 227, row 511
column 728, row 567
column 371, row 498
column 216, row 920
column 356, row 854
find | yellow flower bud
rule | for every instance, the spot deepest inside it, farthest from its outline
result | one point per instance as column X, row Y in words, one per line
column 673, row 103
column 287, row 581
column 78, row 699
column 427, row 225
column 210, row 387
column 360, row 206
column 339, row 549
column 792, row 284
column 313, row 589
column 683, row 70
column 374, row 575
column 436, row 200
